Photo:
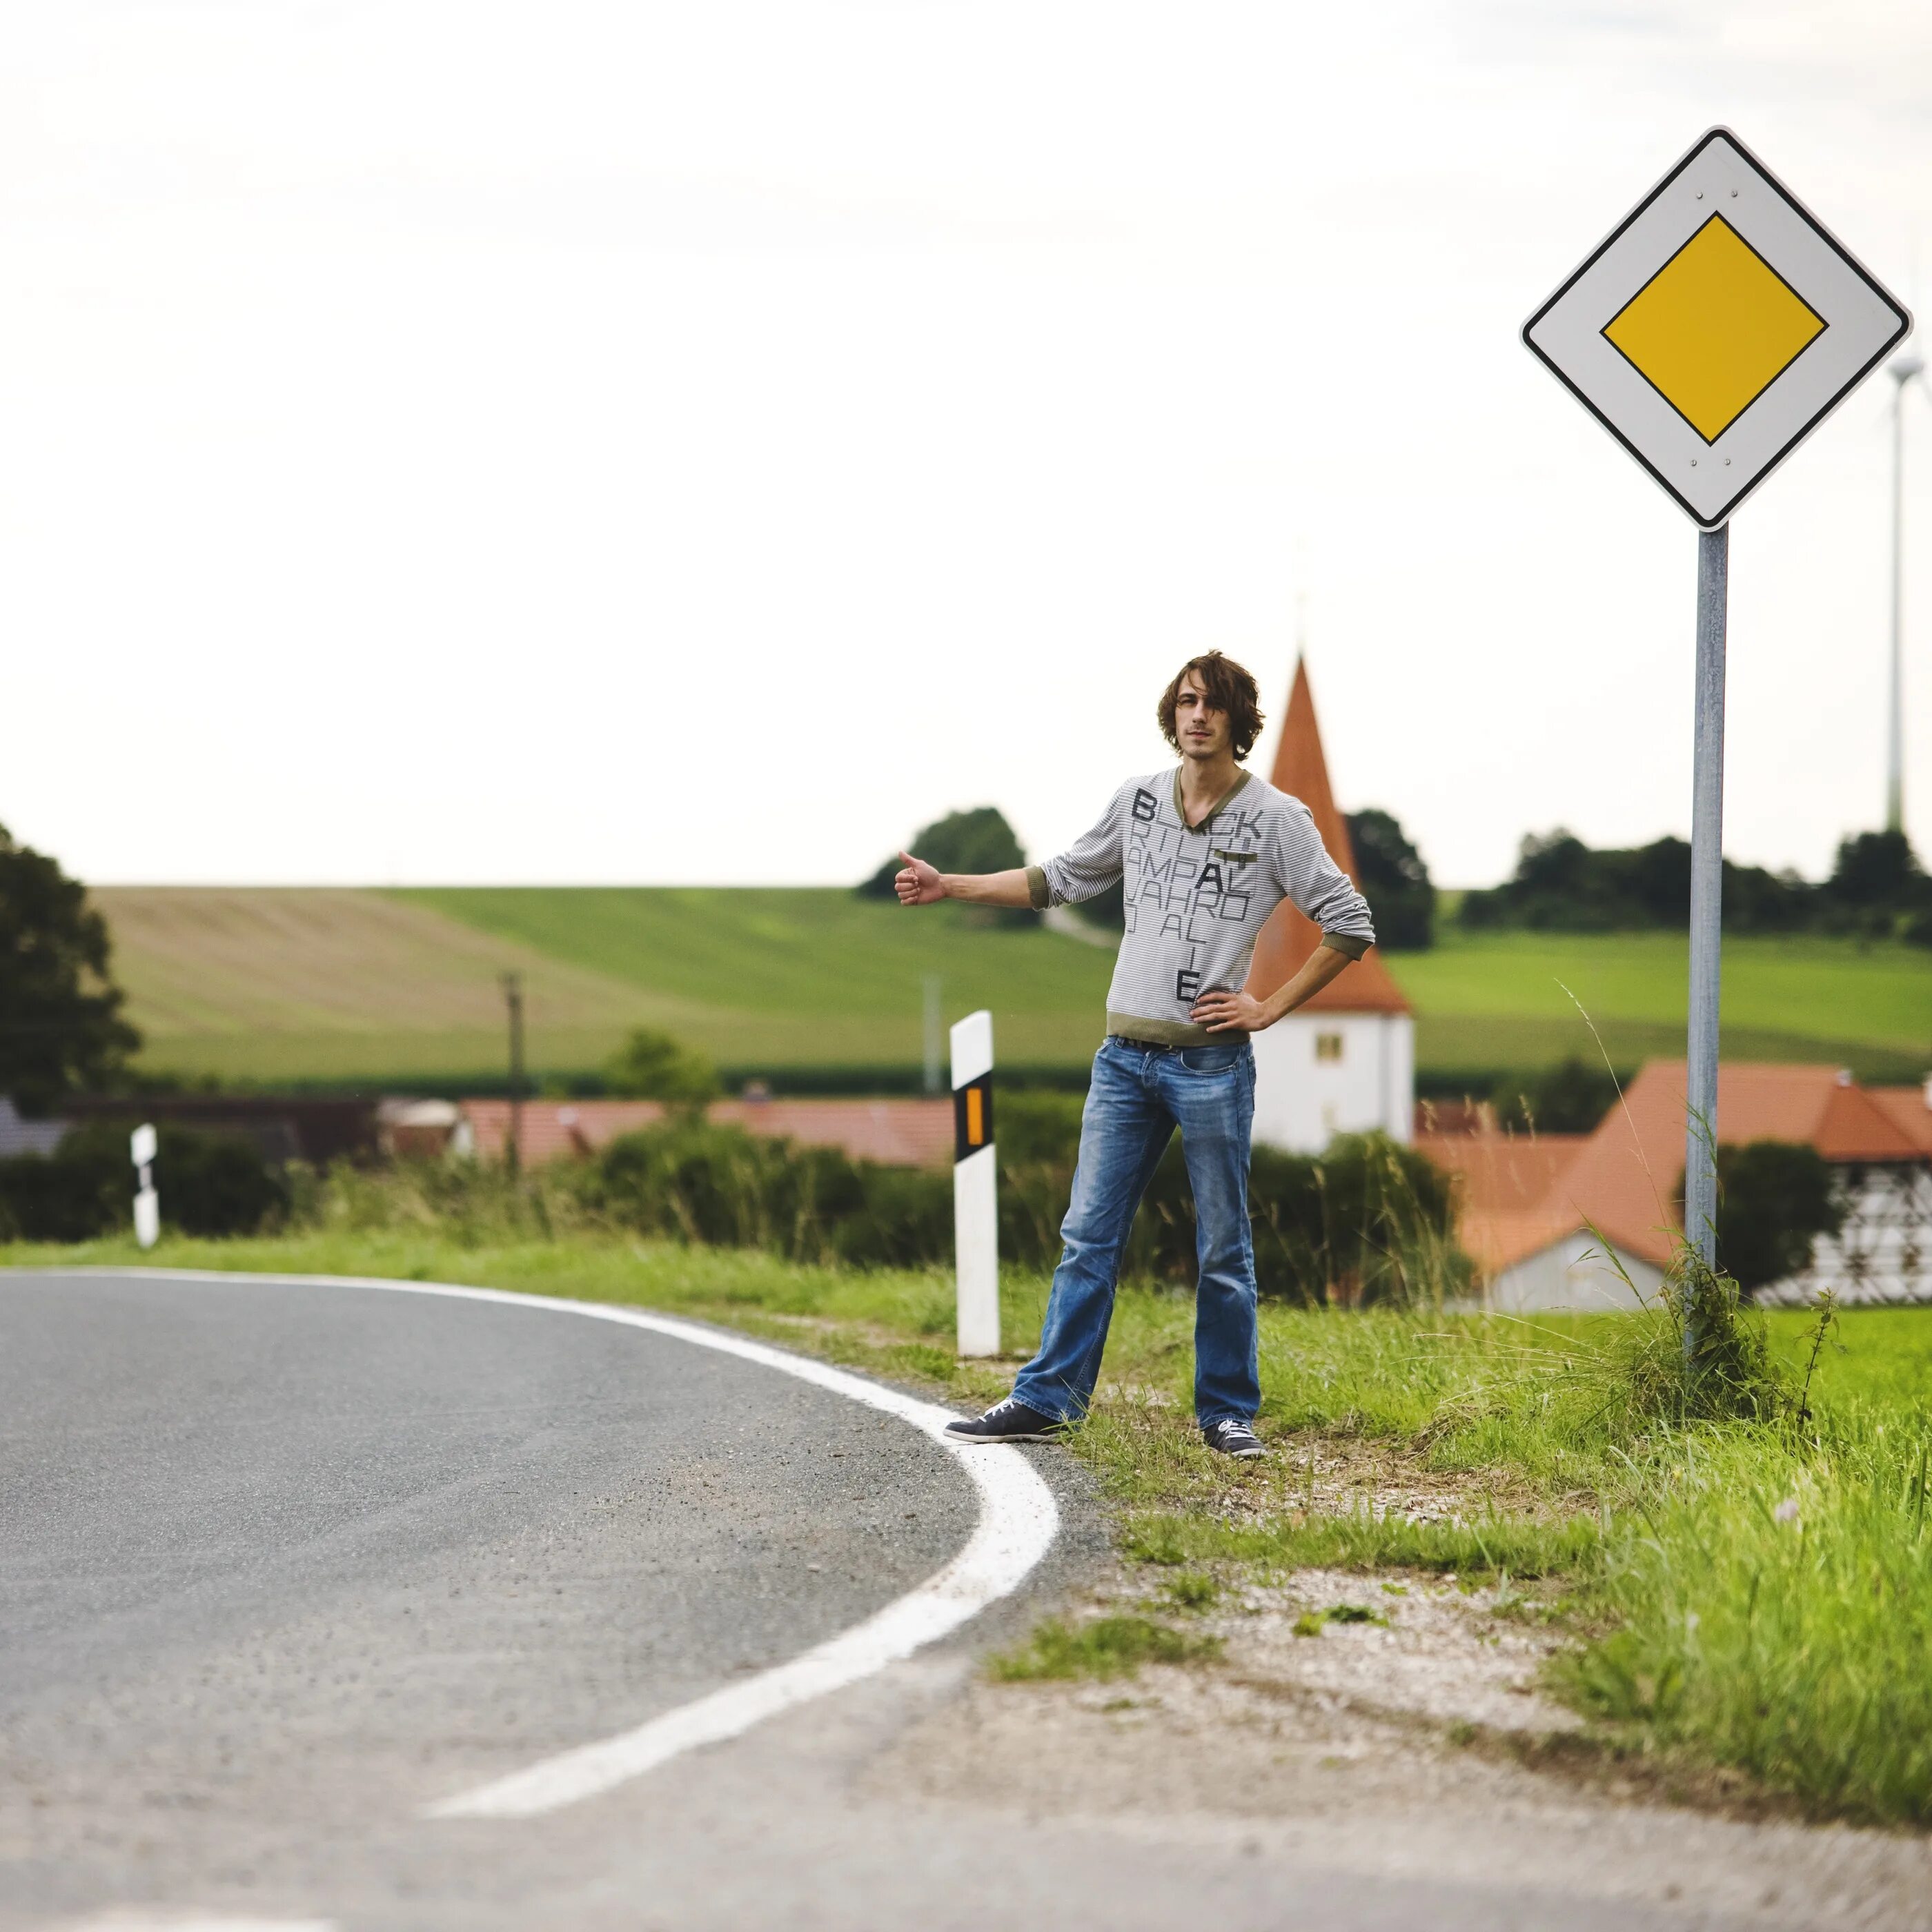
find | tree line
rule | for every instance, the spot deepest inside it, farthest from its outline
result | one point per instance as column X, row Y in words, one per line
column 1877, row 889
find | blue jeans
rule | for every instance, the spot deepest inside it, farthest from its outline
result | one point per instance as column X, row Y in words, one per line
column 1139, row 1095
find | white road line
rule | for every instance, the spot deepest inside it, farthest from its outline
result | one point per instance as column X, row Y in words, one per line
column 1019, row 1520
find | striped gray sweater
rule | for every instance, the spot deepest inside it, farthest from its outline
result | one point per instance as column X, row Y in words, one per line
column 1197, row 897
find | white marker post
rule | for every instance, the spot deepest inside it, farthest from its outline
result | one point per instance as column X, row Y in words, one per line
column 975, row 1207
column 147, row 1202
column 1714, row 328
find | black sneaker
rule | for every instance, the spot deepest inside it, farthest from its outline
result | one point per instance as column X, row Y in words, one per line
column 1232, row 1437
column 1008, row 1421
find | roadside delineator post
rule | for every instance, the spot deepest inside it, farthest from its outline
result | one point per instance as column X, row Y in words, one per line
column 147, row 1202
column 976, row 1211
column 1710, row 332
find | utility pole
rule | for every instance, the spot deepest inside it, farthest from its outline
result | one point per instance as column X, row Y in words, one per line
column 935, row 1028
column 513, row 997
column 1903, row 369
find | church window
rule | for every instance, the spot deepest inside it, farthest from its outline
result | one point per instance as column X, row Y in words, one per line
column 1328, row 1046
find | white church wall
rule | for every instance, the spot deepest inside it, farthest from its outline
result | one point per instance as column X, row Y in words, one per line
column 1322, row 1074
column 1573, row 1273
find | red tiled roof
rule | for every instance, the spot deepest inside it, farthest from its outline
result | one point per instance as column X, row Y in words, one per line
column 895, row 1133
column 1624, row 1178
column 1497, row 1173
column 1909, row 1109
column 1301, row 770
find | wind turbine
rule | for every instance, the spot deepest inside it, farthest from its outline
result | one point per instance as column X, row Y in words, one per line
column 1903, row 369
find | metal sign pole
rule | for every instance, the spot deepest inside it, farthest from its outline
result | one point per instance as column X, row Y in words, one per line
column 1707, row 886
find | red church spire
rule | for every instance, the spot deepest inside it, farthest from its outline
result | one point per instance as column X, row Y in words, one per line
column 1301, row 770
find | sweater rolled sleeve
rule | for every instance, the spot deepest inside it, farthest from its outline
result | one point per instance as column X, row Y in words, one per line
column 1319, row 888
column 1088, row 867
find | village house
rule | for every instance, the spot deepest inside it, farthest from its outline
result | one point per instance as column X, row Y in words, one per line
column 1580, row 1221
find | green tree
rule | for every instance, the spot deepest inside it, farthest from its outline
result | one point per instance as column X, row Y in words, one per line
column 1775, row 1199
column 1561, row 885
column 979, row 841
column 61, row 1024
column 1879, row 888
column 1395, row 881
column 653, row 1065
column 1875, row 869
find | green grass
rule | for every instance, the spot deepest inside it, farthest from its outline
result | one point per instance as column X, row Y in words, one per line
column 1774, row 1600
column 268, row 984
column 1107, row 1647
column 1756, row 1595
column 1493, row 999
column 1486, row 1546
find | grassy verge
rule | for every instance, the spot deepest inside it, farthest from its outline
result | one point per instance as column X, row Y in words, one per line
column 1757, row 1594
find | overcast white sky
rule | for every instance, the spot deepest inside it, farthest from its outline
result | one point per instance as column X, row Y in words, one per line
column 600, row 441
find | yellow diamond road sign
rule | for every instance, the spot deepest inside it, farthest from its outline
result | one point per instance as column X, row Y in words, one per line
column 1716, row 327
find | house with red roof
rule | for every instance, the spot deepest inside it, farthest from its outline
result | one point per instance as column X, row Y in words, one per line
column 1591, row 1220
column 895, row 1133
column 1346, row 1062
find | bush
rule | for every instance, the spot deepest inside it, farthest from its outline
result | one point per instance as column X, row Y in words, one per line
column 210, row 1183
column 692, row 1181
column 1368, row 1221
column 653, row 1065
column 1570, row 1098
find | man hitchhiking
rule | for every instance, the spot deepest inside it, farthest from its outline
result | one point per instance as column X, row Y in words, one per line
column 1206, row 852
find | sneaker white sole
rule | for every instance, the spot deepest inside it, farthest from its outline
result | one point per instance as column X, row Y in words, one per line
column 982, row 1441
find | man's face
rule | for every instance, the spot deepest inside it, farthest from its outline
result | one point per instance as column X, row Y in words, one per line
column 1201, row 729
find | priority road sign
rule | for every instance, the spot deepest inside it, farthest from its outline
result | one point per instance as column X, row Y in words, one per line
column 1717, row 326
column 1712, row 331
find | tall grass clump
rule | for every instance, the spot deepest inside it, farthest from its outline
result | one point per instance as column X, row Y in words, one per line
column 1774, row 1590
column 471, row 1204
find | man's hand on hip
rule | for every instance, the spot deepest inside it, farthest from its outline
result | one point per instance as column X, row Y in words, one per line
column 918, row 883
column 1230, row 1013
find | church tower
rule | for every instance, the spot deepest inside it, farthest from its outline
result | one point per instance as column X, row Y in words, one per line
column 1346, row 1062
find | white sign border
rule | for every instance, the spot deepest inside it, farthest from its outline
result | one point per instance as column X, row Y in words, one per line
column 1865, row 322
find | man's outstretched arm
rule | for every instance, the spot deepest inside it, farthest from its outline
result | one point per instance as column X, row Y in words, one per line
column 919, row 883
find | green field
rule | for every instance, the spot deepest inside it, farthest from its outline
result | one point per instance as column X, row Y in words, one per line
column 263, row 985
column 1495, row 1000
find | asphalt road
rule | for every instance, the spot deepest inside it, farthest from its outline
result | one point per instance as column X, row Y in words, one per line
column 280, row 1566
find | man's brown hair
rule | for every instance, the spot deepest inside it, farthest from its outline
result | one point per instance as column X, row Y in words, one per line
column 1229, row 689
